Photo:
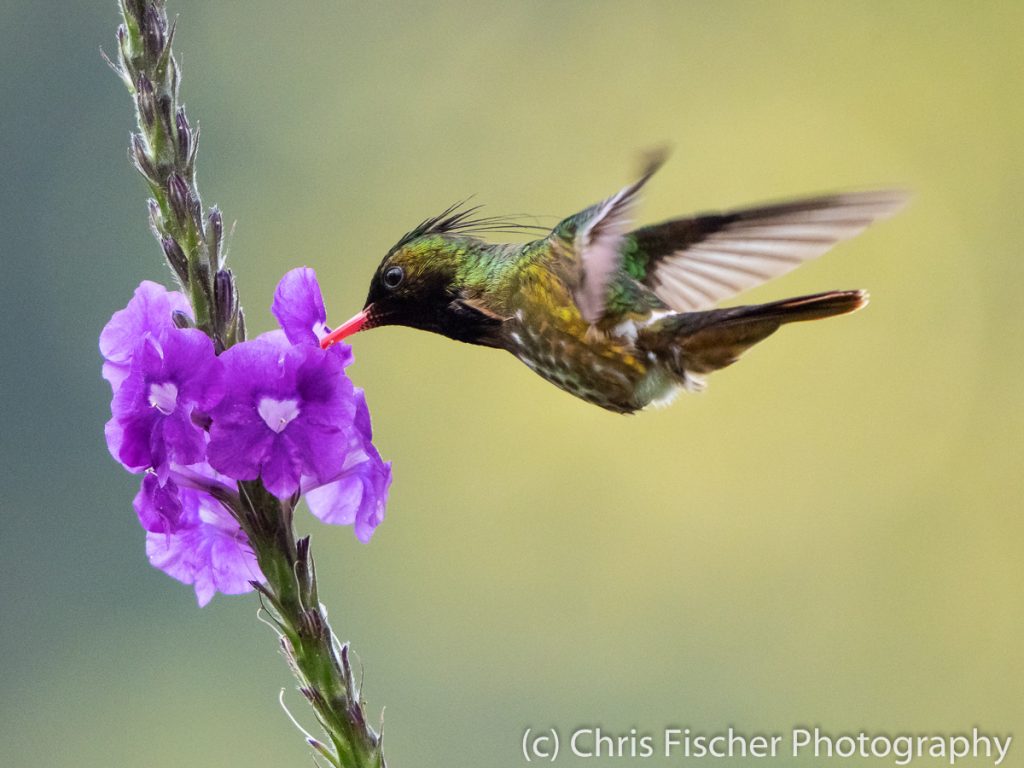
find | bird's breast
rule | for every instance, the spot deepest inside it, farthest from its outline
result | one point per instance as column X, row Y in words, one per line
column 600, row 367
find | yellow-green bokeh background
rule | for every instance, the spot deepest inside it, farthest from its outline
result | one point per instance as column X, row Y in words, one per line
column 831, row 534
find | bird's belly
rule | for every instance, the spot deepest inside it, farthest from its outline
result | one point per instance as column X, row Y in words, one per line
column 600, row 371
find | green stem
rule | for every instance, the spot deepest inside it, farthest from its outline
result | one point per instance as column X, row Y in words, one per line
column 164, row 152
column 319, row 662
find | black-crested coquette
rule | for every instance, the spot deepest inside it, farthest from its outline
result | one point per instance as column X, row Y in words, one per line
column 620, row 317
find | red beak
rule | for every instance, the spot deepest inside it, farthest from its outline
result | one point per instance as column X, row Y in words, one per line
column 346, row 329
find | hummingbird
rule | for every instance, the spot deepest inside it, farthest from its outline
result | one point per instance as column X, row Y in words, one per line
column 622, row 318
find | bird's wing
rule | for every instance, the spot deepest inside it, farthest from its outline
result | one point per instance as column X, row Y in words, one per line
column 692, row 264
column 597, row 236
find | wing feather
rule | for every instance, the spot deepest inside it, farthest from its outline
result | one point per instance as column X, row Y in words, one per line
column 598, row 242
column 696, row 263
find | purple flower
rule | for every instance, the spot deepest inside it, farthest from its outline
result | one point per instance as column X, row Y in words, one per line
column 207, row 549
column 299, row 308
column 158, row 506
column 191, row 535
column 170, row 377
column 357, row 496
column 278, row 408
column 286, row 412
column 149, row 311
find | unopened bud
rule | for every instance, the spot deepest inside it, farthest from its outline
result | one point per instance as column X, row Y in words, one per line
column 164, row 106
column 184, row 134
column 181, row 320
column 134, row 8
column 156, row 218
column 138, row 153
column 152, row 28
column 179, row 197
column 214, row 235
column 146, row 100
column 167, row 67
column 239, row 326
column 346, row 665
column 205, row 280
column 124, row 52
column 175, row 257
column 224, row 297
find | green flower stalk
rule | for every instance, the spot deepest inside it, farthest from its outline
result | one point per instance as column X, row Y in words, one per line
column 164, row 152
column 147, row 399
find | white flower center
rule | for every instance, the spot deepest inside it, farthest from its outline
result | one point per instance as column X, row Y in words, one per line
column 164, row 397
column 277, row 414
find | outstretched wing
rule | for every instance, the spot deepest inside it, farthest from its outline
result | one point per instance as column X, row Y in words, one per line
column 692, row 264
column 597, row 236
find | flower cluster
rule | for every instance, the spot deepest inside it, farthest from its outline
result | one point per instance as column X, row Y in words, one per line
column 277, row 408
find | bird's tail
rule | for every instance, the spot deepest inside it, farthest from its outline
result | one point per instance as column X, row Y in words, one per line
column 701, row 342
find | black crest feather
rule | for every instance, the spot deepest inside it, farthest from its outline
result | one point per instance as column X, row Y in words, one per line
column 460, row 219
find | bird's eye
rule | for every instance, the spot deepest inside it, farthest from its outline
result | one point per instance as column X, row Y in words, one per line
column 393, row 277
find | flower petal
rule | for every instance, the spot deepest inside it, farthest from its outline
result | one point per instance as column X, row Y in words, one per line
column 358, row 497
column 239, row 442
column 190, row 362
column 321, row 406
column 299, row 307
column 148, row 312
column 281, row 469
column 211, row 552
column 158, row 506
column 152, row 408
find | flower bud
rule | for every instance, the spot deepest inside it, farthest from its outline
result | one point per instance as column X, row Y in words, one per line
column 214, row 235
column 120, row 67
column 145, row 99
column 156, row 218
column 164, row 106
column 138, row 153
column 239, row 326
column 168, row 67
column 175, row 257
column 133, row 8
column 184, row 132
column 181, row 320
column 224, row 297
column 179, row 197
column 202, row 271
column 153, row 31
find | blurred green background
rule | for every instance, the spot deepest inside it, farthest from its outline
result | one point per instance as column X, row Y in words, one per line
column 832, row 534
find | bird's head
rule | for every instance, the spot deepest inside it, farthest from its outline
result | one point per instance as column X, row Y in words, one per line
column 414, row 285
column 424, row 282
